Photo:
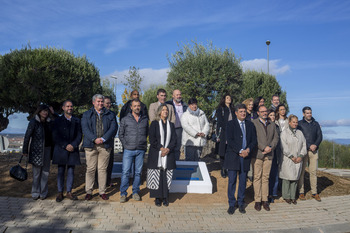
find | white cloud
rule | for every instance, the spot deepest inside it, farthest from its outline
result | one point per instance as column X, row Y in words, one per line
column 150, row 77
column 335, row 123
column 261, row 65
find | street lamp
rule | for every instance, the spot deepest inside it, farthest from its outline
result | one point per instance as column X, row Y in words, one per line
column 115, row 85
column 268, row 62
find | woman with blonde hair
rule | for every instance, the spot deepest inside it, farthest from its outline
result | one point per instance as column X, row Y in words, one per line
column 249, row 103
column 161, row 157
column 293, row 149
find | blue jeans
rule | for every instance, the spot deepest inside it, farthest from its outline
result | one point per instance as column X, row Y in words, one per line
column 60, row 178
column 273, row 180
column 128, row 157
column 232, row 178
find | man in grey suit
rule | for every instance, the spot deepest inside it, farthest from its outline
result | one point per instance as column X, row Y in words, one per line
column 161, row 96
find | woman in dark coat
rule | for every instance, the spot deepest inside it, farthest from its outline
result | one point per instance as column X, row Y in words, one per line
column 67, row 137
column 161, row 157
column 224, row 113
column 37, row 144
column 273, row 178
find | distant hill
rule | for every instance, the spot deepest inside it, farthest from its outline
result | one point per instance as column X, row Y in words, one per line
column 12, row 135
column 342, row 141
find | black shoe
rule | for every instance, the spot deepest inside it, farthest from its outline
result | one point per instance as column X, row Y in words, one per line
column 231, row 210
column 165, row 202
column 223, row 173
column 242, row 209
column 158, row 202
column 88, row 197
column 59, row 197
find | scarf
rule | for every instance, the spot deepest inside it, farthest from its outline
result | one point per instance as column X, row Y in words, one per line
column 294, row 131
column 195, row 113
column 163, row 159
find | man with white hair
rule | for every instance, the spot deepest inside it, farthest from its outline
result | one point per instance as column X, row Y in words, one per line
column 99, row 127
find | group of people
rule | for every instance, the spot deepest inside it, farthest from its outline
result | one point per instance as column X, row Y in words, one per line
column 273, row 145
column 249, row 135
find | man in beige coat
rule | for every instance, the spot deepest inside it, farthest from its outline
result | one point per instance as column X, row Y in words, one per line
column 267, row 137
column 161, row 96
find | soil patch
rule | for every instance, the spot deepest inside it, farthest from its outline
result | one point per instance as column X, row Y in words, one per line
column 328, row 185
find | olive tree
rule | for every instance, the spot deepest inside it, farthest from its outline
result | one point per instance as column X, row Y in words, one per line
column 206, row 73
column 29, row 77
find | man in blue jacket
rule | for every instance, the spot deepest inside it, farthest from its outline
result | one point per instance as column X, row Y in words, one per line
column 99, row 128
column 133, row 135
column 313, row 135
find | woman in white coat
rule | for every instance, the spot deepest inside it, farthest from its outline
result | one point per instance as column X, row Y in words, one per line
column 294, row 149
column 195, row 130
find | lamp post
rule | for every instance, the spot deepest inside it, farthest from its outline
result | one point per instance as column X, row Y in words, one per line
column 115, row 86
column 268, row 62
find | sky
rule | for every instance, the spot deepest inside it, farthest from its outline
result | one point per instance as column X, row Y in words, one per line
column 309, row 52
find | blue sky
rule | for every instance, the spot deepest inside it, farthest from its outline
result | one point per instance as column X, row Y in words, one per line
column 309, row 50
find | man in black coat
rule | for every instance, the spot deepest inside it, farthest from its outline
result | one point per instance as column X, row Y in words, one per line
column 67, row 137
column 126, row 109
column 241, row 140
column 313, row 135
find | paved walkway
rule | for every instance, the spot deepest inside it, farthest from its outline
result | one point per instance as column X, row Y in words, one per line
column 337, row 172
column 26, row 215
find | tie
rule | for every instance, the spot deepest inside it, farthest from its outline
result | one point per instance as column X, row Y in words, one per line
column 244, row 143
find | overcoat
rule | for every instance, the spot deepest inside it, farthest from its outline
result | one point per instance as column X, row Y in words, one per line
column 192, row 125
column 64, row 133
column 222, row 115
column 156, row 144
column 293, row 144
column 34, row 140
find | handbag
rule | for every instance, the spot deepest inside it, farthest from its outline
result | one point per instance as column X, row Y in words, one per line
column 19, row 173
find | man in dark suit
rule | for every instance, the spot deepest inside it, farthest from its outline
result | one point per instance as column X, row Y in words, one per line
column 67, row 137
column 241, row 139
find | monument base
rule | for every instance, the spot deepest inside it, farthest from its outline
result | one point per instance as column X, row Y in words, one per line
column 189, row 177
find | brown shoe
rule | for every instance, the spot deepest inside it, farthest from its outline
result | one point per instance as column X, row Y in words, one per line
column 294, row 201
column 302, row 197
column 59, row 197
column 317, row 197
column 289, row 201
column 266, row 206
column 71, row 196
column 257, row 206
column 88, row 197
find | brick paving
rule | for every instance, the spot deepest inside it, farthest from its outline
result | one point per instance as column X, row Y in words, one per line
column 27, row 215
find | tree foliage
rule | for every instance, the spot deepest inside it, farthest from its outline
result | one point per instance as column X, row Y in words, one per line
column 133, row 79
column 206, row 73
column 341, row 153
column 257, row 84
column 29, row 77
column 108, row 90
